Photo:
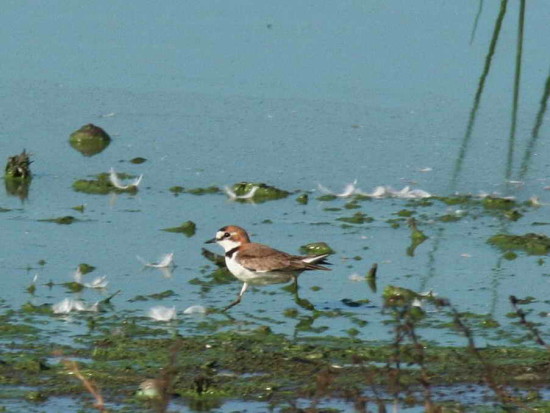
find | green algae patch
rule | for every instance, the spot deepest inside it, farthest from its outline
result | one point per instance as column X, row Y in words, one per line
column 398, row 296
column 533, row 244
column 176, row 189
column 456, row 200
column 202, row 191
column 417, row 237
column 66, row 220
column 256, row 365
column 188, row 228
column 491, row 202
column 263, row 192
column 138, row 160
column 102, row 185
column 357, row 218
column 85, row 268
column 450, row 218
column 326, row 197
column 89, row 140
column 316, row 248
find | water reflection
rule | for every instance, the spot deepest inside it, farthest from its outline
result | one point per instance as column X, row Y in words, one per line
column 517, row 78
column 536, row 130
column 476, row 21
column 479, row 92
column 17, row 187
column 529, row 150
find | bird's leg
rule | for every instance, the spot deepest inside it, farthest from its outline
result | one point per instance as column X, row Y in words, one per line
column 302, row 302
column 238, row 300
column 295, row 282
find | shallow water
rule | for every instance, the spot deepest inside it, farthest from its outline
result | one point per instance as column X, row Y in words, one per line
column 292, row 95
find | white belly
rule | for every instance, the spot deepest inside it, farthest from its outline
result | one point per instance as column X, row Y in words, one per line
column 255, row 277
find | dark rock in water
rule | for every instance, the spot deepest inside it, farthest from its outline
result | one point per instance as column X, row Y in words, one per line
column 19, row 166
column 17, row 176
column 89, row 140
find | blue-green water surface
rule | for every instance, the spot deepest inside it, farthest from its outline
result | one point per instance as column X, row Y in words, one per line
column 293, row 94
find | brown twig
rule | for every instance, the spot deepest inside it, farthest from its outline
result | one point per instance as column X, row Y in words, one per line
column 91, row 387
column 166, row 378
column 488, row 370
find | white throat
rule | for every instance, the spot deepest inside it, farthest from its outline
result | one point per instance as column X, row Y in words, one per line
column 228, row 244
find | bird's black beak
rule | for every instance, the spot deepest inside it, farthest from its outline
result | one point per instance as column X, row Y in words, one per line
column 210, row 241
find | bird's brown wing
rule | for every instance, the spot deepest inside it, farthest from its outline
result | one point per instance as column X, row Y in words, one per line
column 261, row 258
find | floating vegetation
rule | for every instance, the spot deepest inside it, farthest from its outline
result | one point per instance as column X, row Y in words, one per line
column 316, row 248
column 492, row 202
column 84, row 268
column 89, row 140
column 357, row 218
column 200, row 191
column 138, row 160
column 156, row 296
column 102, row 185
column 417, row 237
column 177, row 189
column 66, row 220
column 188, row 228
column 534, row 244
column 262, row 192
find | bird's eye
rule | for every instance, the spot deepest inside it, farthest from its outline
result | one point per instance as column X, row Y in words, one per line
column 226, row 235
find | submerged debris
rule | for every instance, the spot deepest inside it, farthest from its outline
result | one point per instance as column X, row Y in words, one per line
column 89, row 140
